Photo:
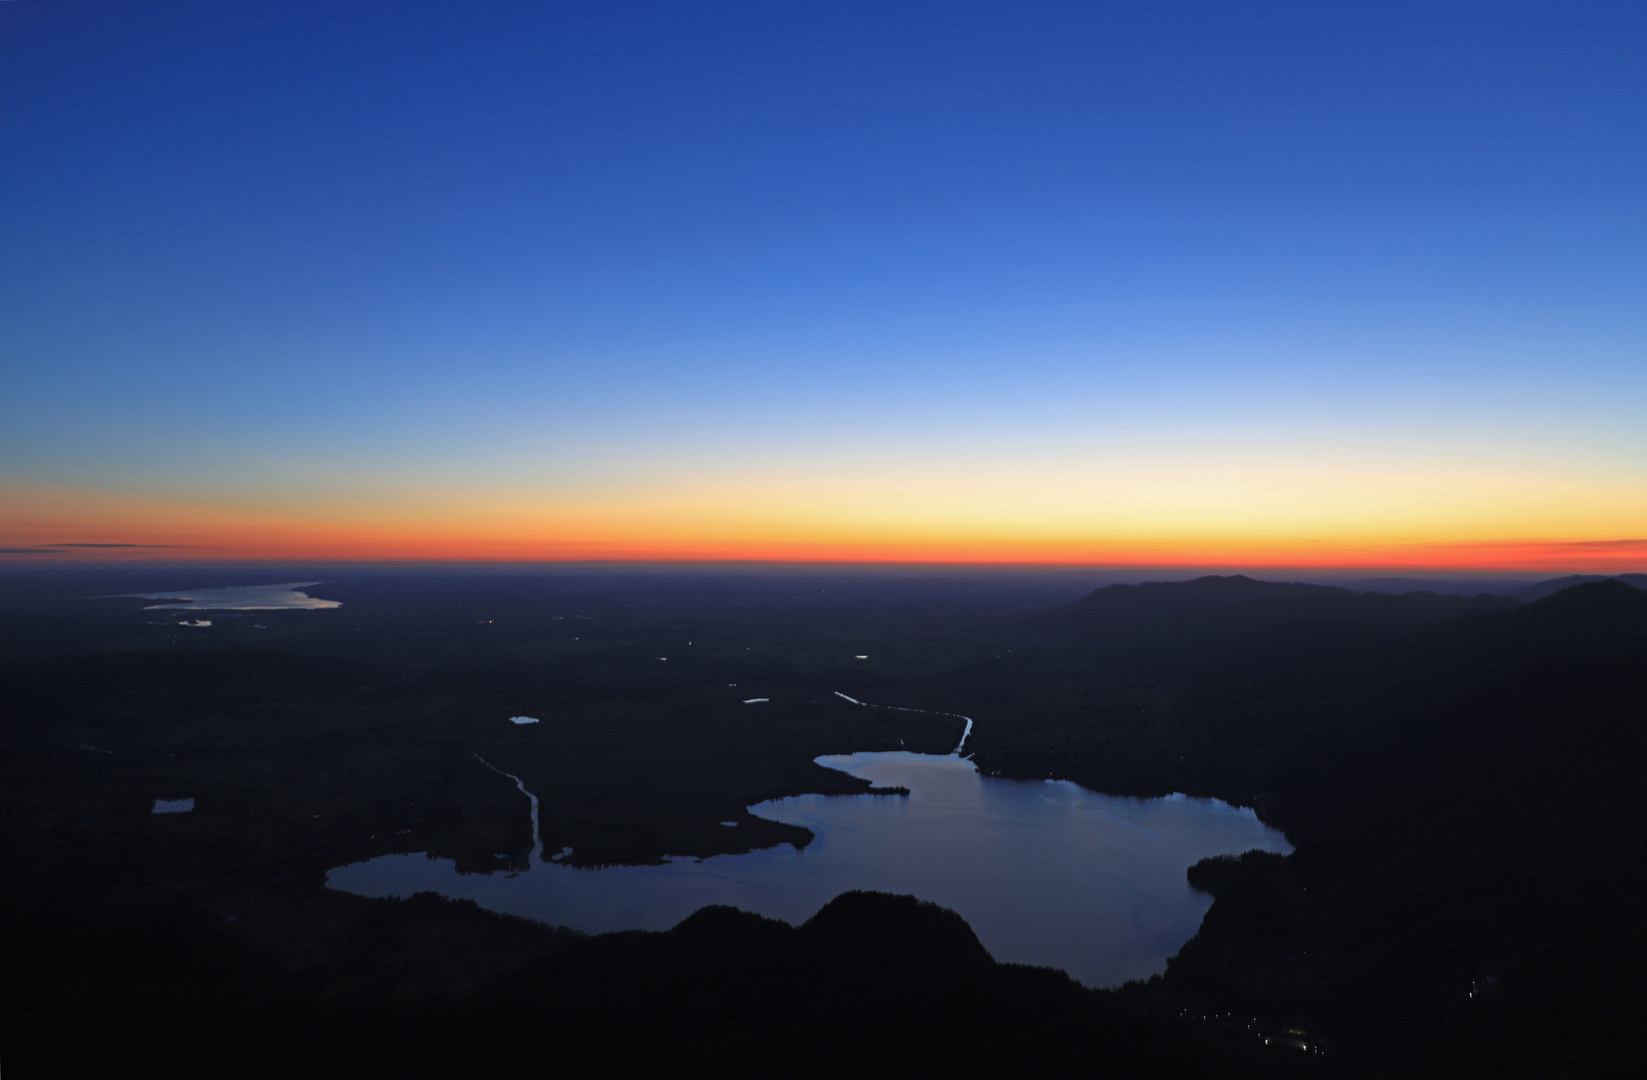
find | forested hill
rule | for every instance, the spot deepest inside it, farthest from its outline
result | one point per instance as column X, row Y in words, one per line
column 1555, row 585
column 1605, row 617
column 1209, row 608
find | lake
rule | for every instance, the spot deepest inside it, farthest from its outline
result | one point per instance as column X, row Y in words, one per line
column 284, row 597
column 1046, row 872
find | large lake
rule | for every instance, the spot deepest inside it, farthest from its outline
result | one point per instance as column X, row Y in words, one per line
column 283, row 597
column 1046, row 872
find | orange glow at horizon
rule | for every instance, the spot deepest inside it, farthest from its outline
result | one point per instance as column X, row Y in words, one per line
column 716, row 530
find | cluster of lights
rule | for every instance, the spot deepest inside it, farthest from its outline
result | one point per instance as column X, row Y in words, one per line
column 1295, row 1038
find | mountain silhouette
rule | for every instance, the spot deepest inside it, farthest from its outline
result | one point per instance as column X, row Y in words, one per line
column 1546, row 588
column 1604, row 618
column 1207, row 608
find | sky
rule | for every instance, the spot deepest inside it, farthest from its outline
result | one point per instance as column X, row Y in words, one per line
column 1227, row 283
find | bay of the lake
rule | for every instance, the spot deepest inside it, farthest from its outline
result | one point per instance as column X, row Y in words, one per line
column 1046, row 872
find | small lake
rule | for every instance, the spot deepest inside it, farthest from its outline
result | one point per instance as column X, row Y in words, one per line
column 284, row 597
column 1046, row 872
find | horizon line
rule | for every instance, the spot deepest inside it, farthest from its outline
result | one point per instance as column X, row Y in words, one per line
column 880, row 565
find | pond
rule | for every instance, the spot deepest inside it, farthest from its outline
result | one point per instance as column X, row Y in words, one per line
column 1046, row 872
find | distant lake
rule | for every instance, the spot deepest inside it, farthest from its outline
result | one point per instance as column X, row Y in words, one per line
column 240, row 598
column 1046, row 872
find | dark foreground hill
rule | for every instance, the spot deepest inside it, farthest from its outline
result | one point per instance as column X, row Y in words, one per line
column 873, row 982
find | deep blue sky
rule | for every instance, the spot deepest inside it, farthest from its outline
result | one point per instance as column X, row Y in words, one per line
column 317, row 260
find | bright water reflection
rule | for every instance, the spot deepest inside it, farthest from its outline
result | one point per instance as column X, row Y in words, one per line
column 1046, row 872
